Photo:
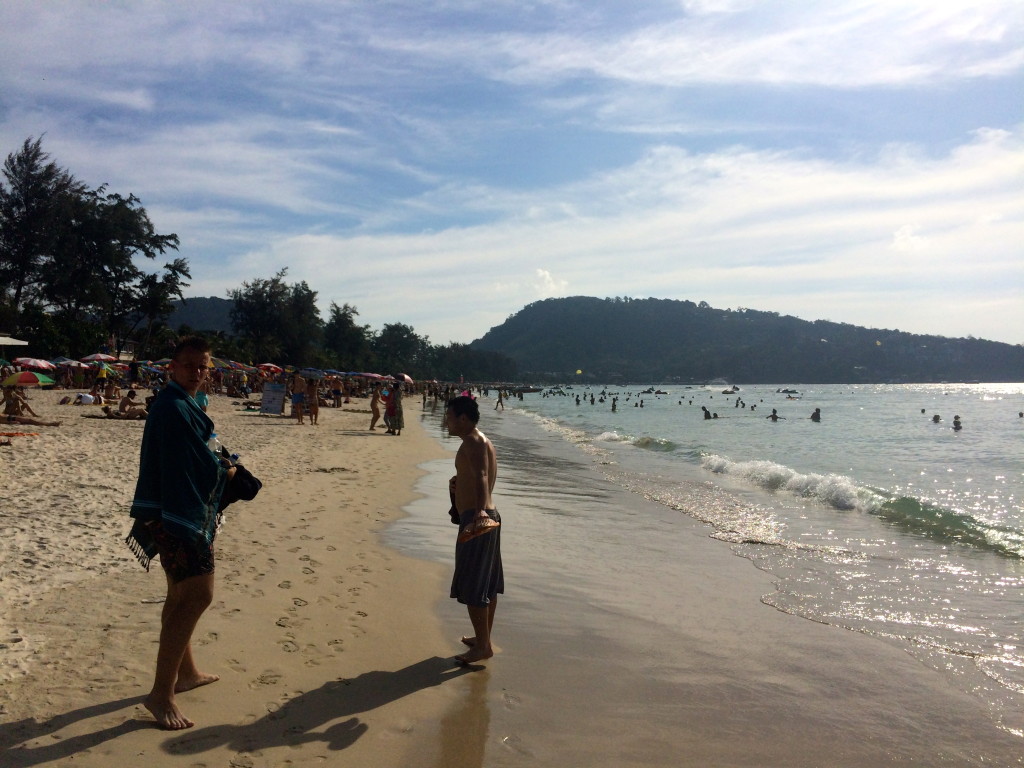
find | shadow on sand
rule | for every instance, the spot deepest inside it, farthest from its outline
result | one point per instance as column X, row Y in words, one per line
column 29, row 730
column 294, row 723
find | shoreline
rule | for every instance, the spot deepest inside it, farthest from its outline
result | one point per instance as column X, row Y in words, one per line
column 628, row 626
column 324, row 638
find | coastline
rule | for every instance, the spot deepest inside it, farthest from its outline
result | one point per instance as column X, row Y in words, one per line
column 324, row 638
column 628, row 636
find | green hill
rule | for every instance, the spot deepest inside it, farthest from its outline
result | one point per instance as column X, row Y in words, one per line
column 662, row 339
column 202, row 314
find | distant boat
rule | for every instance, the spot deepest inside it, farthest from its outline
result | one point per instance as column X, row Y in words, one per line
column 787, row 391
column 731, row 391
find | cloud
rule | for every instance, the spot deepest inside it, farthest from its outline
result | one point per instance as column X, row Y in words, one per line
column 444, row 164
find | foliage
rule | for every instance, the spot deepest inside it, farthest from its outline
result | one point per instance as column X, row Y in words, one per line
column 662, row 339
column 348, row 344
column 276, row 321
column 68, row 258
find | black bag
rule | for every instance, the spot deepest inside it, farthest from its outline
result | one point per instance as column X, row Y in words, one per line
column 243, row 486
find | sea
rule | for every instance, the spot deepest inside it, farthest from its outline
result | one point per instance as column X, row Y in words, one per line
column 881, row 518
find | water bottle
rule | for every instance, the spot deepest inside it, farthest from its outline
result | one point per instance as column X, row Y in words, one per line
column 214, row 444
column 234, row 458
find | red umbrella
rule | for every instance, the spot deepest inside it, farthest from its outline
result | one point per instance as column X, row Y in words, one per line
column 405, row 377
column 33, row 362
column 270, row 367
column 98, row 356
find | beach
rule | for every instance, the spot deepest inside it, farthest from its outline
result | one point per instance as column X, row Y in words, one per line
column 628, row 637
column 324, row 639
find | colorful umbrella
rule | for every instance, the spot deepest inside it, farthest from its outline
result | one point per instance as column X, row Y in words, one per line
column 33, row 362
column 404, row 377
column 270, row 367
column 98, row 356
column 27, row 379
column 216, row 362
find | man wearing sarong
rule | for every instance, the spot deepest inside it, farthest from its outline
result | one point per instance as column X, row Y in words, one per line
column 175, row 515
column 478, row 575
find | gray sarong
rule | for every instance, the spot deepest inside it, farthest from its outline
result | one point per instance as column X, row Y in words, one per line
column 478, row 575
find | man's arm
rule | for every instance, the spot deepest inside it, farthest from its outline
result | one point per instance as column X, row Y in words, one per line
column 479, row 476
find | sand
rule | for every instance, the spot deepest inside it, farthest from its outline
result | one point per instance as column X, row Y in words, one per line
column 324, row 639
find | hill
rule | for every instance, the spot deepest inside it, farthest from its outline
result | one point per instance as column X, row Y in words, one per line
column 202, row 314
column 662, row 339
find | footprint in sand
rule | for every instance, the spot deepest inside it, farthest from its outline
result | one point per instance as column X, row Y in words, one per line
column 266, row 678
column 285, row 585
column 308, row 571
column 284, row 622
column 288, row 646
column 299, row 602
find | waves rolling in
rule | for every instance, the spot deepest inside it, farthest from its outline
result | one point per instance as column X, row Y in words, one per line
column 911, row 515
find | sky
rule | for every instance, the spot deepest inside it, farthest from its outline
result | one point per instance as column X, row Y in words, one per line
column 443, row 164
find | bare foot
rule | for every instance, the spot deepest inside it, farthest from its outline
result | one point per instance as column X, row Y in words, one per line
column 474, row 655
column 469, row 641
column 187, row 684
column 167, row 715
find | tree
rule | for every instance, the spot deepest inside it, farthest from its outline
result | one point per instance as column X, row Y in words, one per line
column 277, row 322
column 154, row 300
column 34, row 195
column 67, row 255
column 348, row 342
column 400, row 350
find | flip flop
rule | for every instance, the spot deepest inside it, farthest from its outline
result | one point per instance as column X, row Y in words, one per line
column 475, row 529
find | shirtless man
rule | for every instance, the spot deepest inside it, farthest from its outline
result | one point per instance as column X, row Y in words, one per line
column 299, row 396
column 130, row 407
column 478, row 575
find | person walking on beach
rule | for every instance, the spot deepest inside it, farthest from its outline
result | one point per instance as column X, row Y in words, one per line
column 394, row 415
column 175, row 515
column 375, row 406
column 298, row 396
column 478, row 577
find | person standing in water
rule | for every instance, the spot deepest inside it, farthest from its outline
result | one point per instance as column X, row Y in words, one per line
column 478, row 578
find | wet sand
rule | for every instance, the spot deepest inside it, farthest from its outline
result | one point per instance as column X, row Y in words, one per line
column 630, row 637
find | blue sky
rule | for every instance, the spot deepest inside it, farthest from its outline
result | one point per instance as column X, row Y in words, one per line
column 444, row 164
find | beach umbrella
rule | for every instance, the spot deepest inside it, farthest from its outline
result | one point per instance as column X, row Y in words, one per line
column 270, row 367
column 61, row 360
column 404, row 377
column 98, row 356
column 162, row 361
column 27, row 379
column 4, row 362
column 216, row 362
column 311, row 373
column 34, row 362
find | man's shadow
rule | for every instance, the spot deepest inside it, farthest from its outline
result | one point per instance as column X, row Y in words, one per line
column 28, row 730
column 294, row 723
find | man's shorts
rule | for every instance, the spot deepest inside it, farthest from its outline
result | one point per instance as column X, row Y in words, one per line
column 298, row 398
column 182, row 558
column 479, row 577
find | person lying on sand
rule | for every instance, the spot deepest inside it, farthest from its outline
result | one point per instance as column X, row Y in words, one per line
column 12, row 419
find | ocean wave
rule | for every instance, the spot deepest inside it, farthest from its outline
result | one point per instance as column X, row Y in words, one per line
column 843, row 493
column 646, row 443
